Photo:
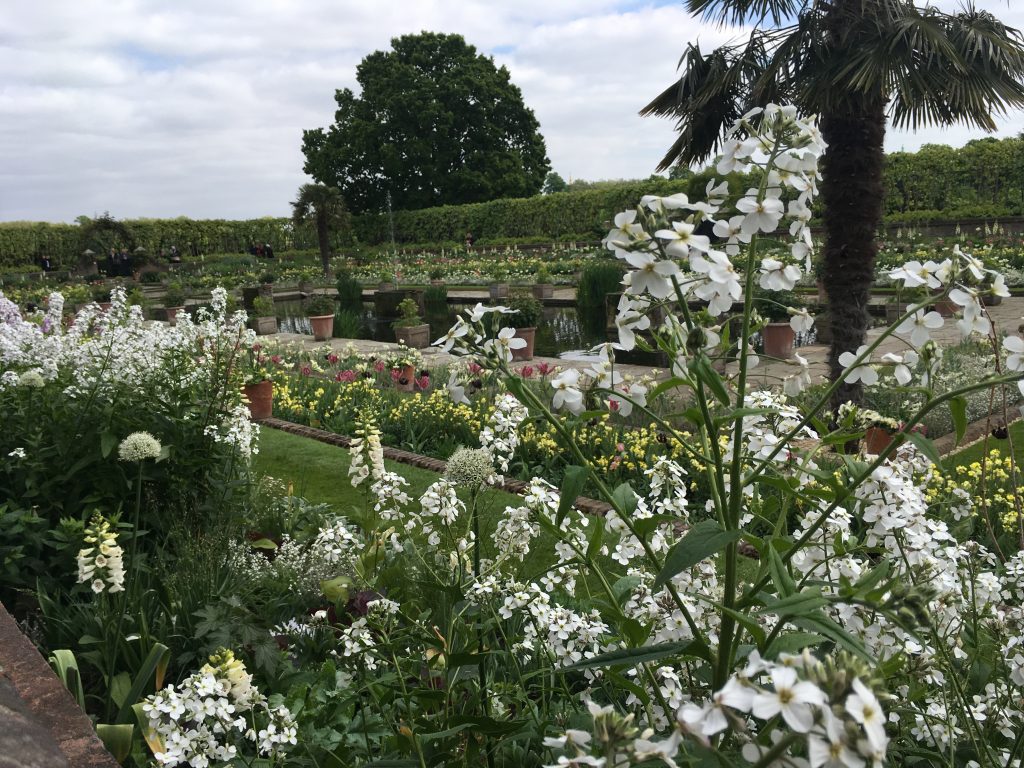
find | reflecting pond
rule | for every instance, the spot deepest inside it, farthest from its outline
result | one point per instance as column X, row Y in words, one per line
column 562, row 329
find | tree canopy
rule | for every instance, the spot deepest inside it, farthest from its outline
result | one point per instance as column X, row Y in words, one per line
column 436, row 123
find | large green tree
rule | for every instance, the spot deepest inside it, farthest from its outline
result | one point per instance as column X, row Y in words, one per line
column 324, row 208
column 855, row 63
column 436, row 123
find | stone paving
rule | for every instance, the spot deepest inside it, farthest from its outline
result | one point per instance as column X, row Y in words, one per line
column 1006, row 317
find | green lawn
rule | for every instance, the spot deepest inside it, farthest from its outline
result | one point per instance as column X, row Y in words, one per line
column 976, row 451
column 318, row 472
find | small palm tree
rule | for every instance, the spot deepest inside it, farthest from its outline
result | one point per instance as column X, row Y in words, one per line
column 853, row 62
column 325, row 208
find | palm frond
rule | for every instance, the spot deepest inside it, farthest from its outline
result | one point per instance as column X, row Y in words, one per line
column 711, row 94
column 982, row 78
column 739, row 12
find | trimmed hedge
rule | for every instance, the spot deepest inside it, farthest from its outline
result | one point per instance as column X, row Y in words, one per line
column 579, row 216
column 563, row 216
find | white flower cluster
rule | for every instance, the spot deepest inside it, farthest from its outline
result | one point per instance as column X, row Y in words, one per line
column 212, row 713
column 844, row 725
column 237, row 430
column 101, row 565
column 367, row 453
column 501, row 433
column 167, row 363
column 301, row 567
column 472, row 467
column 139, row 446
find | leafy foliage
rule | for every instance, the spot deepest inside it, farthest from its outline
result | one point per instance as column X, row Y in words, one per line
column 436, row 123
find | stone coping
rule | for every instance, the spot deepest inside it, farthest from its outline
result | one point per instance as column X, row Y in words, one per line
column 49, row 730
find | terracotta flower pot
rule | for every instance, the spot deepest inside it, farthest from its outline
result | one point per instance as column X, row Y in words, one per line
column 172, row 314
column 946, row 307
column 778, row 340
column 323, row 327
column 526, row 353
column 414, row 336
column 261, row 399
column 876, row 440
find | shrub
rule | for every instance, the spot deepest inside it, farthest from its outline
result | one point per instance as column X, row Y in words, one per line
column 174, row 296
column 350, row 292
column 599, row 278
column 409, row 314
column 527, row 315
column 263, row 307
column 319, row 305
column 435, row 298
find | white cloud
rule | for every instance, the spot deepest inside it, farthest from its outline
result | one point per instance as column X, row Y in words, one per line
column 148, row 108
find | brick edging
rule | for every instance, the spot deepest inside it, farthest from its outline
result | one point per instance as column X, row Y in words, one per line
column 50, row 703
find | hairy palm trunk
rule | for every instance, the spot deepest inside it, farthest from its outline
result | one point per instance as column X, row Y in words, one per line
column 324, row 244
column 851, row 191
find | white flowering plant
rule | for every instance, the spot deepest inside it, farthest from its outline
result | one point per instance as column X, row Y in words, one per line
column 817, row 610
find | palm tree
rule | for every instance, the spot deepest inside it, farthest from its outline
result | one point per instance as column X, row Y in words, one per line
column 325, row 208
column 855, row 63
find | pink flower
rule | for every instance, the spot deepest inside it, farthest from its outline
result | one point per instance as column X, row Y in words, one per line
column 613, row 405
column 275, row 359
column 378, row 366
column 396, row 374
column 474, row 368
column 544, row 369
column 256, row 347
column 306, row 370
column 423, row 382
column 347, row 376
column 526, row 371
column 332, row 358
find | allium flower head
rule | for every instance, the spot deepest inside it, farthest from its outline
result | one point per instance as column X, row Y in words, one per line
column 139, row 446
column 32, row 379
column 469, row 466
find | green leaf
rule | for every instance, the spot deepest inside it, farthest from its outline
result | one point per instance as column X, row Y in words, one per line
column 336, row 589
column 65, row 665
column 108, row 441
column 821, row 624
column 708, row 376
column 624, row 587
column 781, row 577
column 630, row 657
column 263, row 544
column 149, row 735
column 153, row 667
column 596, row 539
column 665, row 386
column 800, row 604
column 572, row 486
column 625, row 498
column 925, row 446
column 702, row 541
column 117, row 739
column 792, row 642
column 119, row 687
column 958, row 409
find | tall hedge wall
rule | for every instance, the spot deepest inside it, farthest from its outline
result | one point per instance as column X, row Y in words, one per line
column 561, row 215
column 582, row 214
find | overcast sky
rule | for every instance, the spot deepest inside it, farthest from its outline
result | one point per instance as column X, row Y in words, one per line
column 189, row 108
